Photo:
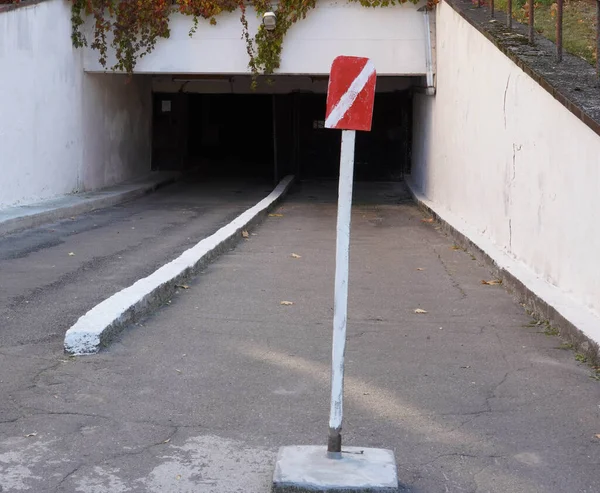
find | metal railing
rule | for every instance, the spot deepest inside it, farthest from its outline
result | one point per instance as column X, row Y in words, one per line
column 559, row 25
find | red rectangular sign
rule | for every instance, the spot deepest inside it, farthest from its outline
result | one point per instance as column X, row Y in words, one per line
column 351, row 94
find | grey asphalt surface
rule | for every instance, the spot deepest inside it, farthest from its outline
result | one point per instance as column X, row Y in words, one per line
column 44, row 289
column 198, row 397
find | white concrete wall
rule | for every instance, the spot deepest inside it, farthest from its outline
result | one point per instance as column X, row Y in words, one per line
column 498, row 154
column 62, row 131
column 40, row 104
column 117, row 127
column 393, row 37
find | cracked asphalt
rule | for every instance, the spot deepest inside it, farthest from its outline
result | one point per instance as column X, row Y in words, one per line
column 471, row 396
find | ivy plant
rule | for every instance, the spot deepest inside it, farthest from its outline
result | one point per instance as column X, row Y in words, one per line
column 135, row 26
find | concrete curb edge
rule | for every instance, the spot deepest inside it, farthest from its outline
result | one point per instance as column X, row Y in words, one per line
column 98, row 326
column 27, row 221
column 577, row 324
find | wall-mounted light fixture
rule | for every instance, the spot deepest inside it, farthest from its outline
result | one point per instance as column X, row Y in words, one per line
column 269, row 21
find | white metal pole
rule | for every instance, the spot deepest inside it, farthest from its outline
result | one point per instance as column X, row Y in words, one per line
column 334, row 445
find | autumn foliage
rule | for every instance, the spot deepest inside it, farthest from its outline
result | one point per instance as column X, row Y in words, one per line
column 132, row 27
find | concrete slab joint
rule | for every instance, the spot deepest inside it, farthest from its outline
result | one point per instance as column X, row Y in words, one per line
column 308, row 468
column 99, row 325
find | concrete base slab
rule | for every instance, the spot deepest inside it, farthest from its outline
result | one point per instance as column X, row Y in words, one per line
column 308, row 468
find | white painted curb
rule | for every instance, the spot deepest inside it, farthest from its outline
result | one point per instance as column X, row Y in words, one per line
column 94, row 329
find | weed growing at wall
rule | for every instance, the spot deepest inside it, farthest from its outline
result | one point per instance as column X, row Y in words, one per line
column 134, row 26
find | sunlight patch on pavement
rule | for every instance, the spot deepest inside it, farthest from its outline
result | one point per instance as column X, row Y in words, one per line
column 385, row 405
column 370, row 398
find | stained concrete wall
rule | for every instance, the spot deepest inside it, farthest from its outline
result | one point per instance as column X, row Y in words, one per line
column 498, row 154
column 393, row 37
column 62, row 131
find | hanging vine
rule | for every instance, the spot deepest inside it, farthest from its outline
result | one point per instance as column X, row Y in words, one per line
column 134, row 26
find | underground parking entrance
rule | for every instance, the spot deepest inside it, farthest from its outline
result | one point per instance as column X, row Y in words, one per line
column 219, row 128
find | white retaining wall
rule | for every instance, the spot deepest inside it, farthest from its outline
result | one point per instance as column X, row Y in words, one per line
column 499, row 158
column 62, row 131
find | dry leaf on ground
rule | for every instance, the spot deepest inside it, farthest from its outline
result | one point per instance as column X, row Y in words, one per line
column 31, row 435
column 286, row 303
column 429, row 220
column 493, row 282
column 420, row 268
column 295, row 255
column 597, row 435
column 245, row 234
column 420, row 311
column 182, row 286
column 275, row 215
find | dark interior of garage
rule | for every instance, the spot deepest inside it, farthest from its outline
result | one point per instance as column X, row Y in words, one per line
column 270, row 136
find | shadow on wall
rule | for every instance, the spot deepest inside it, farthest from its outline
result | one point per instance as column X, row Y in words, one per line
column 117, row 138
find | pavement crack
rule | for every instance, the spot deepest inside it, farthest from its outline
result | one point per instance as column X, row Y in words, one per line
column 42, row 412
column 38, row 375
column 474, row 415
column 501, row 382
column 141, row 450
column 112, row 457
column 492, row 393
column 453, row 281
column 500, row 345
column 67, row 476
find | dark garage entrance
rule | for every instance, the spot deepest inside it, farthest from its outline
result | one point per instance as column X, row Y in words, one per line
column 215, row 135
column 269, row 136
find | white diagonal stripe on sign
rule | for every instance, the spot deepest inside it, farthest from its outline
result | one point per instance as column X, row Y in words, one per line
column 347, row 100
